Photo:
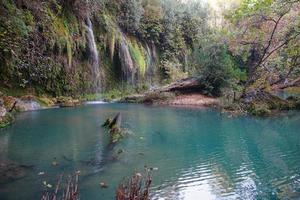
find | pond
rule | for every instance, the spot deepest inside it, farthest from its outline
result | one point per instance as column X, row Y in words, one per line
column 199, row 153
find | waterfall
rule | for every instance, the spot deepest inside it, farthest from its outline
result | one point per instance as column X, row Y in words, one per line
column 126, row 60
column 151, row 61
column 93, row 50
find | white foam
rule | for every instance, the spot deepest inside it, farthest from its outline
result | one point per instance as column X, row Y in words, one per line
column 95, row 102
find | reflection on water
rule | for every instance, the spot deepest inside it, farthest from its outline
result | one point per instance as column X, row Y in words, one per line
column 200, row 154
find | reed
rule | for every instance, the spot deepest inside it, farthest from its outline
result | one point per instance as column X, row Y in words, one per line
column 64, row 191
column 135, row 188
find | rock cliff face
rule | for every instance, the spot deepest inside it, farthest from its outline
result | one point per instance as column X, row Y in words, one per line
column 52, row 49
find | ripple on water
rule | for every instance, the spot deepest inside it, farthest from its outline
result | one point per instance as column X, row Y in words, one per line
column 199, row 154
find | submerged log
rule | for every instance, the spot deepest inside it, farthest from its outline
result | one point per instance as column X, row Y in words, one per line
column 107, row 122
column 116, row 122
column 114, row 128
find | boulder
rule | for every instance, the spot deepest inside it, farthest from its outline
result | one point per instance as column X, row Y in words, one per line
column 136, row 98
column 27, row 105
column 68, row 102
column 259, row 102
column 5, row 117
column 9, row 102
column 6, row 120
column 2, row 111
column 28, row 98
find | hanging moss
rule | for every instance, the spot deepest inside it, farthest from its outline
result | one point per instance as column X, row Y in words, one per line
column 69, row 52
column 63, row 35
column 39, row 40
column 112, row 46
column 137, row 53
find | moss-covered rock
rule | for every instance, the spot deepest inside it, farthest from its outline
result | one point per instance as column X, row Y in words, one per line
column 259, row 109
column 261, row 103
column 6, row 118
column 294, row 102
column 45, row 101
column 9, row 102
column 68, row 102
column 155, row 97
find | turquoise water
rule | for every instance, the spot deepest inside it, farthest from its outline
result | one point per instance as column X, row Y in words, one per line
column 200, row 154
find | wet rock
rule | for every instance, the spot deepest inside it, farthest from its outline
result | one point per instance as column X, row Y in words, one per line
column 262, row 103
column 9, row 102
column 6, row 118
column 27, row 105
column 68, row 102
column 28, row 98
column 2, row 111
column 136, row 98
column 46, row 101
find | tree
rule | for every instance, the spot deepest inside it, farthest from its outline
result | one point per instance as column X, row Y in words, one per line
column 263, row 29
column 130, row 15
column 150, row 26
column 215, row 67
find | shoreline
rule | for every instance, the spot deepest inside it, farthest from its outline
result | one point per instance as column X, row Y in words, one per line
column 261, row 104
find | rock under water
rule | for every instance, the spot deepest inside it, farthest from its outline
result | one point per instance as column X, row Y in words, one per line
column 10, row 171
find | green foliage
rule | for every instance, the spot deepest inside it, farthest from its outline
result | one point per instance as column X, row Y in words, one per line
column 215, row 67
column 43, row 45
column 172, row 70
column 136, row 52
column 259, row 110
column 130, row 15
column 150, row 26
column 251, row 7
column 265, row 34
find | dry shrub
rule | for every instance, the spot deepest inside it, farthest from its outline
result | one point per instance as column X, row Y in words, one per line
column 135, row 188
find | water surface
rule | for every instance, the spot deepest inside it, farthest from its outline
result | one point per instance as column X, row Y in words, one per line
column 200, row 154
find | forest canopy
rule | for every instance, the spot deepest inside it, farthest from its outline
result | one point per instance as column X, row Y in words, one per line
column 240, row 45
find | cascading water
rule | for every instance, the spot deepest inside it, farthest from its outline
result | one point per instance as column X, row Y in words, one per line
column 126, row 60
column 150, row 70
column 128, row 64
column 93, row 50
column 151, row 62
